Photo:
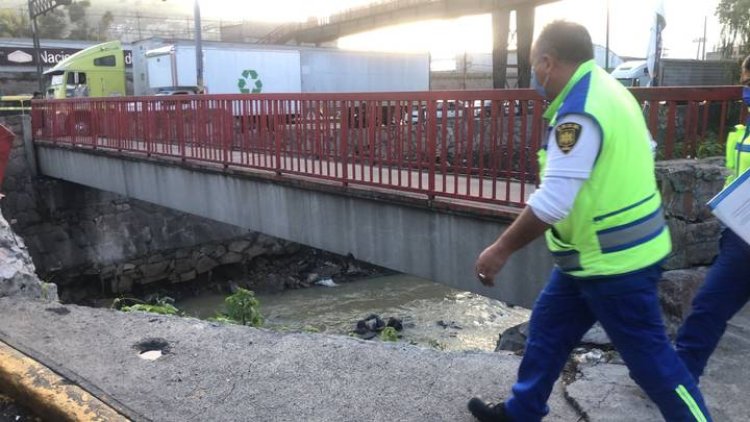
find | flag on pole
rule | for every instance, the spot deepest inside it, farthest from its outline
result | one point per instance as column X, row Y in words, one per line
column 654, row 44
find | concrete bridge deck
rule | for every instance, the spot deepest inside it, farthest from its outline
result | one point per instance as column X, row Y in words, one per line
column 215, row 372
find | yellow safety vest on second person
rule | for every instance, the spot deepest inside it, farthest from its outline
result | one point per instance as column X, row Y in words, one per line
column 616, row 225
column 738, row 151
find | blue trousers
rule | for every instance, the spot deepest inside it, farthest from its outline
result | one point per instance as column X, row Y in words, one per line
column 725, row 291
column 628, row 308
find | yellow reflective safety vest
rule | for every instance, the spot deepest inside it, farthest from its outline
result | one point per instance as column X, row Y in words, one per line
column 616, row 225
column 738, row 151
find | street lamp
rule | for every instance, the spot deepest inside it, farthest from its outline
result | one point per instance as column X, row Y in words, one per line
column 39, row 8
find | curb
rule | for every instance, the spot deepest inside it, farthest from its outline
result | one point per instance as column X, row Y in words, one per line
column 48, row 394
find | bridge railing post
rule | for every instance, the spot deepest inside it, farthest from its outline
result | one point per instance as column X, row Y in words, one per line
column 431, row 146
column 276, row 134
column 226, row 119
column 179, row 124
column 344, row 139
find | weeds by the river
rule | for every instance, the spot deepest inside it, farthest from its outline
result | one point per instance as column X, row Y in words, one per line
column 162, row 306
column 242, row 308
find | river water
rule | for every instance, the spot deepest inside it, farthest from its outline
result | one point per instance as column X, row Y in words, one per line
column 433, row 315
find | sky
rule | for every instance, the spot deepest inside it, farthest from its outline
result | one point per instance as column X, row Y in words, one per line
column 630, row 21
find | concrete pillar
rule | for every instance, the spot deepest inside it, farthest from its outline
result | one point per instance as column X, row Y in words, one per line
column 525, row 31
column 28, row 144
column 500, row 29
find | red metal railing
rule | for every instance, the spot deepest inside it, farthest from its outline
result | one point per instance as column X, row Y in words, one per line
column 478, row 146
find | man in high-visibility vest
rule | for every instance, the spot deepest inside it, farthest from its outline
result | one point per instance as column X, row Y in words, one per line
column 600, row 210
column 727, row 286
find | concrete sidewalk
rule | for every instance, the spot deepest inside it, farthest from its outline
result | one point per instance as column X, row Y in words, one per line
column 214, row 372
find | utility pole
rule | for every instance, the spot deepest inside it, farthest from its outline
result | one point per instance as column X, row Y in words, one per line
column 198, row 47
column 606, row 59
column 38, row 8
column 705, row 23
column 138, row 22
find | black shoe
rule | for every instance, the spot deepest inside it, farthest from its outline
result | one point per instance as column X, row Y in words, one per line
column 485, row 412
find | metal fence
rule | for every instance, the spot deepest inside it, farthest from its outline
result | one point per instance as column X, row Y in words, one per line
column 477, row 146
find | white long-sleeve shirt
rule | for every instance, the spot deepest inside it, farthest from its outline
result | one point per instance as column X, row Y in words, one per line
column 567, row 168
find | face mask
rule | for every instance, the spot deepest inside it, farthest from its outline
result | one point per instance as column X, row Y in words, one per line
column 745, row 94
column 540, row 88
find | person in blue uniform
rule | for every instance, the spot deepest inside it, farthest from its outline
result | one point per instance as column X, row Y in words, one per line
column 600, row 211
column 727, row 286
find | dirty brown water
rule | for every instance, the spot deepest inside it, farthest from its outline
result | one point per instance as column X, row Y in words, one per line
column 470, row 321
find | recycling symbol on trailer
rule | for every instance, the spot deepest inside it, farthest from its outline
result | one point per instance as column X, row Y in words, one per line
column 250, row 82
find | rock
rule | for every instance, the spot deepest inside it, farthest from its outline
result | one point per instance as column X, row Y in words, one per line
column 205, row 264
column 592, row 357
column 596, row 336
column 513, row 339
column 157, row 269
column 238, row 246
column 182, row 265
column 190, row 275
column 328, row 270
column 213, row 251
column 17, row 272
column 396, row 323
column 676, row 291
column 231, row 258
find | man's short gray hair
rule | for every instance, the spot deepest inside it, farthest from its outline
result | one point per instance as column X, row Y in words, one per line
column 567, row 41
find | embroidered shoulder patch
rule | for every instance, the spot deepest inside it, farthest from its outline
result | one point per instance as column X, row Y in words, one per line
column 567, row 135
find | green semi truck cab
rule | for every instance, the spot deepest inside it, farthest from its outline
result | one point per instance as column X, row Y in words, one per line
column 98, row 71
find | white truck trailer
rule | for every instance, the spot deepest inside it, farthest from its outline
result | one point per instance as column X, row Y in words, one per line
column 237, row 68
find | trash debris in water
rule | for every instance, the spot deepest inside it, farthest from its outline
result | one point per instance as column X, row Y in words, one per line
column 326, row 282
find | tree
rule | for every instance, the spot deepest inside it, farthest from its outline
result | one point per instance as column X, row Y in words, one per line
column 79, row 25
column 14, row 24
column 52, row 24
column 104, row 24
column 734, row 16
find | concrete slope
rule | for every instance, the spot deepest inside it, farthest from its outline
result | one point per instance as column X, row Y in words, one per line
column 215, row 372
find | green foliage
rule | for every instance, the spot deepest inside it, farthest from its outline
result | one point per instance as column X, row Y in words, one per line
column 243, row 308
column 164, row 309
column 52, row 24
column 162, row 306
column 734, row 16
column 14, row 24
column 389, row 334
column 710, row 147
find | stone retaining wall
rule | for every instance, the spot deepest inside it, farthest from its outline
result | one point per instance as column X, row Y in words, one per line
column 686, row 186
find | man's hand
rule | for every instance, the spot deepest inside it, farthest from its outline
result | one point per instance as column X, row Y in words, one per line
column 489, row 264
column 526, row 228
